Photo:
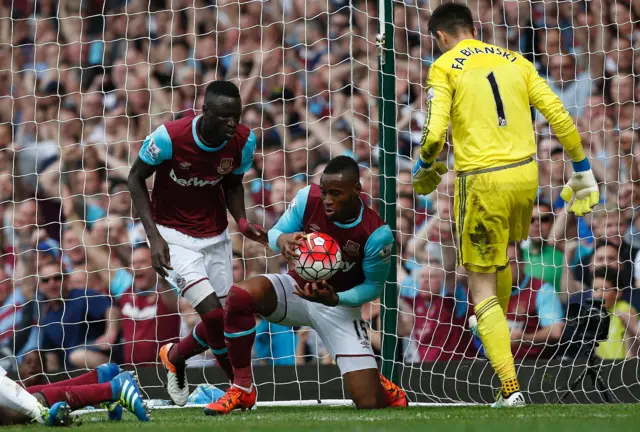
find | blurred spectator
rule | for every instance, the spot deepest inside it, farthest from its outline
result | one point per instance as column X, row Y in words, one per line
column 624, row 332
column 32, row 369
column 275, row 344
column 436, row 333
column 543, row 258
column 535, row 313
column 78, row 326
column 17, row 335
column 149, row 308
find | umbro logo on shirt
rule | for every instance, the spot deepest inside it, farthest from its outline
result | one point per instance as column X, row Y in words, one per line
column 314, row 228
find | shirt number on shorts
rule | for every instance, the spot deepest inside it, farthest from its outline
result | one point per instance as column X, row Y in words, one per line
column 502, row 118
column 361, row 329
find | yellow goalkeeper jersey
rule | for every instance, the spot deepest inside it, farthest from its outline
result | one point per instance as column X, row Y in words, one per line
column 486, row 92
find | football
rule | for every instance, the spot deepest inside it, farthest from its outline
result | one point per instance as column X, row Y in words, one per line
column 319, row 258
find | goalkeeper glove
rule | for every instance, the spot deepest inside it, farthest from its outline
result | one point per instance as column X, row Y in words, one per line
column 426, row 176
column 581, row 191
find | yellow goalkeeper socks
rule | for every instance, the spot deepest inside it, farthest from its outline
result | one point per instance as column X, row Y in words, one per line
column 496, row 338
column 504, row 287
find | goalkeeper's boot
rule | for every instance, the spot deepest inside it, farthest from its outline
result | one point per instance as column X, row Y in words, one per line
column 125, row 390
column 58, row 415
column 107, row 372
column 177, row 384
column 395, row 395
column 514, row 400
column 234, row 398
column 114, row 409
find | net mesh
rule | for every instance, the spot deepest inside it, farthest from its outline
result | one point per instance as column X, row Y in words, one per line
column 82, row 83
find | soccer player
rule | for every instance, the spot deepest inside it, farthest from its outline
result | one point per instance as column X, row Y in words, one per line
column 104, row 384
column 332, row 309
column 486, row 91
column 198, row 163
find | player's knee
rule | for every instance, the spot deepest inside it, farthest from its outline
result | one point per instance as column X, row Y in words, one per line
column 239, row 302
column 367, row 401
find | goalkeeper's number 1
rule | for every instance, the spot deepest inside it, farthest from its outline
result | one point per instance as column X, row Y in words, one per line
column 502, row 118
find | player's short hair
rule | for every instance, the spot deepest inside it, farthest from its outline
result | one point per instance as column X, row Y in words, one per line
column 451, row 18
column 221, row 88
column 343, row 165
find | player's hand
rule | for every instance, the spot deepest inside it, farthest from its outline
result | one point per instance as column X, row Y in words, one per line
column 253, row 232
column 427, row 177
column 160, row 256
column 289, row 244
column 318, row 292
column 581, row 192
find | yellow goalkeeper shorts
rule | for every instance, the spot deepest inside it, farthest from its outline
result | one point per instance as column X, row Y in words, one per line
column 493, row 207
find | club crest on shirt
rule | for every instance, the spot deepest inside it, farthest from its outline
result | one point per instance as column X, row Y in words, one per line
column 185, row 165
column 226, row 165
column 351, row 248
column 180, row 282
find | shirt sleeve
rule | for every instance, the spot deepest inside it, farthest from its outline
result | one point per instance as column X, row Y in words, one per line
column 549, row 104
column 157, row 147
column 548, row 306
column 376, row 265
column 248, row 153
column 439, row 99
column 291, row 220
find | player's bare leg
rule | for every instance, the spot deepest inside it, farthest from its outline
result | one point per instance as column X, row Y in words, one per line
column 495, row 335
column 370, row 390
column 243, row 302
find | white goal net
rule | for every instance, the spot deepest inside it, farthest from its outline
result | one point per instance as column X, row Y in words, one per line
column 83, row 82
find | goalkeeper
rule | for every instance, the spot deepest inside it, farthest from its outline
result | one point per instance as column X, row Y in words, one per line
column 486, row 91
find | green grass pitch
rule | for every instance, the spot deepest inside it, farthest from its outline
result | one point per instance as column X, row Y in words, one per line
column 543, row 418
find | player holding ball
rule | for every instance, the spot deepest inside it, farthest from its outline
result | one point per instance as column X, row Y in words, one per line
column 332, row 308
column 486, row 91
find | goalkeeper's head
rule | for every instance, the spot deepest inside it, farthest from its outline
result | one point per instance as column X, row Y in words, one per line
column 450, row 23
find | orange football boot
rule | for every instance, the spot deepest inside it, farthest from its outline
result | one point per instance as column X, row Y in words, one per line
column 395, row 395
column 233, row 399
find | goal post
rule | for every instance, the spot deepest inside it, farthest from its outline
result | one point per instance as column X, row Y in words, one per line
column 388, row 173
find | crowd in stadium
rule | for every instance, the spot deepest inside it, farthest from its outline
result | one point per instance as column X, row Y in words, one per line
column 80, row 89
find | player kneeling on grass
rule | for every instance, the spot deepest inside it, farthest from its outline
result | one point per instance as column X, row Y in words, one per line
column 104, row 384
column 333, row 208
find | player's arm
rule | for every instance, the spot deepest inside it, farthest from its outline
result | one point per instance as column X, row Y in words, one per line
column 155, row 149
column 234, row 194
column 376, row 265
column 286, row 234
column 427, row 171
column 582, row 190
